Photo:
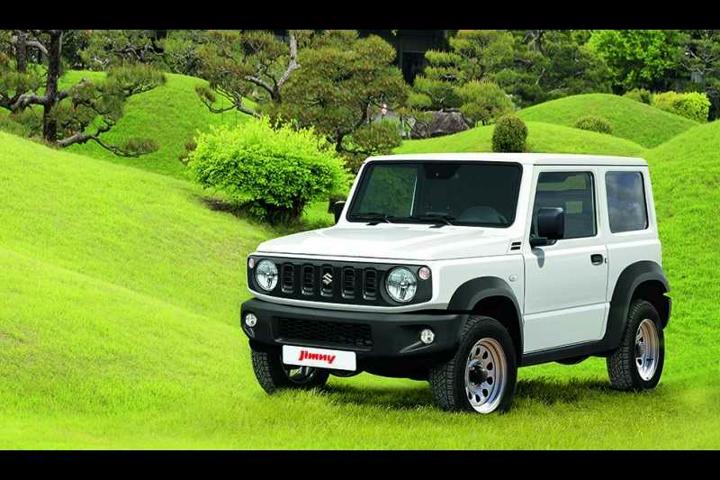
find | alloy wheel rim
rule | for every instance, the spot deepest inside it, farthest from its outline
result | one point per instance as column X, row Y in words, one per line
column 647, row 349
column 299, row 375
column 485, row 375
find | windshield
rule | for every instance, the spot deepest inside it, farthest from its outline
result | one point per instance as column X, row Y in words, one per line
column 456, row 193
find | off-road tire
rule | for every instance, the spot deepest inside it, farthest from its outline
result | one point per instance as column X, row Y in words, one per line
column 272, row 376
column 447, row 381
column 621, row 363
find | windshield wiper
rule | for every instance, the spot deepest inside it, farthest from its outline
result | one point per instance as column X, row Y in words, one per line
column 438, row 218
column 373, row 218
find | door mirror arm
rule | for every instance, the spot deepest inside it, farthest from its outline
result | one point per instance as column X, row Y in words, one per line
column 541, row 242
column 337, row 209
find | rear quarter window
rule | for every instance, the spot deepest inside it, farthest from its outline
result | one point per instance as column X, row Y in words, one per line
column 626, row 201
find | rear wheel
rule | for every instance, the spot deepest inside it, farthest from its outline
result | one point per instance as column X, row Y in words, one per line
column 638, row 362
column 273, row 375
column 481, row 376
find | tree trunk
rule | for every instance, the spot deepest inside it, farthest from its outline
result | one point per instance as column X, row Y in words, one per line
column 21, row 52
column 51, row 86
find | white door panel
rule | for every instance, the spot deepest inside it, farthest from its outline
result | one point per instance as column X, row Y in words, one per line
column 566, row 327
column 560, row 278
column 566, row 283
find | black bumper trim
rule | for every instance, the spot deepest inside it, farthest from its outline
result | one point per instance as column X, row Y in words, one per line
column 394, row 335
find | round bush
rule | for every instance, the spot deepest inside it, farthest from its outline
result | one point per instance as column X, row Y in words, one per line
column 639, row 95
column 273, row 171
column 594, row 123
column 510, row 134
column 692, row 105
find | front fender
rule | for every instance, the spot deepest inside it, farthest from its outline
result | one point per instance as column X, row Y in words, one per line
column 472, row 292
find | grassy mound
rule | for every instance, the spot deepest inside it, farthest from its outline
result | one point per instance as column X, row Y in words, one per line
column 686, row 180
column 169, row 114
column 118, row 329
column 542, row 137
column 630, row 119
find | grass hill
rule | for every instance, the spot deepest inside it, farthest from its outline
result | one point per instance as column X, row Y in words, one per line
column 686, row 179
column 542, row 137
column 169, row 114
column 630, row 119
column 118, row 328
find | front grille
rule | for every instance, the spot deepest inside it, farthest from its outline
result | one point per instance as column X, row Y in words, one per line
column 356, row 335
column 327, row 281
column 341, row 282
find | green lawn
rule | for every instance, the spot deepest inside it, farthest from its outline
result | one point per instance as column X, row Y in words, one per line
column 119, row 327
column 630, row 119
column 542, row 137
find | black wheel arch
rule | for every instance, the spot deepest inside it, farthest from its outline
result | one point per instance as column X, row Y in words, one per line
column 644, row 279
column 491, row 296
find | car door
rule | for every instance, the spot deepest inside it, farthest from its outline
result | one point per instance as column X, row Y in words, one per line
column 565, row 283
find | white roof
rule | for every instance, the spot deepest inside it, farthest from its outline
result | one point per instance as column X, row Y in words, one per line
column 522, row 158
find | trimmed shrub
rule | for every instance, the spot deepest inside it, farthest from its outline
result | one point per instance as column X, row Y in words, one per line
column 692, row 105
column 483, row 102
column 509, row 135
column 639, row 95
column 376, row 138
column 271, row 171
column 594, row 123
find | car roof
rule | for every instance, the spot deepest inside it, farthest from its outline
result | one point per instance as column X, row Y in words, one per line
column 522, row 158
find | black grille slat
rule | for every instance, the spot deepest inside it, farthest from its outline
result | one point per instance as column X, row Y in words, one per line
column 308, row 279
column 288, row 278
column 348, row 282
column 370, row 284
column 356, row 335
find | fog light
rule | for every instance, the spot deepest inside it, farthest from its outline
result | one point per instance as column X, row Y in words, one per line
column 250, row 320
column 424, row 273
column 427, row 336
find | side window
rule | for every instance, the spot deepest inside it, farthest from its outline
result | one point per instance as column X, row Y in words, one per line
column 626, row 201
column 572, row 191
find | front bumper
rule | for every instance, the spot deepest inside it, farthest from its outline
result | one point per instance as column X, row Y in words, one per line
column 393, row 335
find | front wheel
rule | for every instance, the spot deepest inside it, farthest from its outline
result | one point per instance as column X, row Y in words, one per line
column 273, row 375
column 481, row 375
column 638, row 362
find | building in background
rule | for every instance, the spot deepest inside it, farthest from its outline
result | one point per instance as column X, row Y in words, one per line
column 411, row 46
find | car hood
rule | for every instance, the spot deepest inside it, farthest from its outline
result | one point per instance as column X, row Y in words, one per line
column 392, row 241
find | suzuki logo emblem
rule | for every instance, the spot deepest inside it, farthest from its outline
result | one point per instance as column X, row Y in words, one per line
column 327, row 278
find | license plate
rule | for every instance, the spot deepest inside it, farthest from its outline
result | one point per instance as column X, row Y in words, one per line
column 319, row 357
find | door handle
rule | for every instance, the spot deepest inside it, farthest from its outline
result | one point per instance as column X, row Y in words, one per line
column 596, row 259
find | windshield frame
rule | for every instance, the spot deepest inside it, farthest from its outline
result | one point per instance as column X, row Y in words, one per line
column 365, row 175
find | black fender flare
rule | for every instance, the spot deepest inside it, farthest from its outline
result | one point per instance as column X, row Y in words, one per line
column 630, row 278
column 473, row 291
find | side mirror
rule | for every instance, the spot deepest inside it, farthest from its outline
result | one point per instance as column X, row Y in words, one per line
column 550, row 226
column 337, row 209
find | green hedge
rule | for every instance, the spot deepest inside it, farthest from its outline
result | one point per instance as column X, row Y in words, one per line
column 640, row 95
column 273, row 171
column 594, row 123
column 692, row 105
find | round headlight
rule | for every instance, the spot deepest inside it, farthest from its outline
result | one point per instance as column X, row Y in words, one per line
column 266, row 275
column 401, row 284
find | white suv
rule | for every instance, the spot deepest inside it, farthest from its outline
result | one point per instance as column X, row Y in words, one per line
column 460, row 268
